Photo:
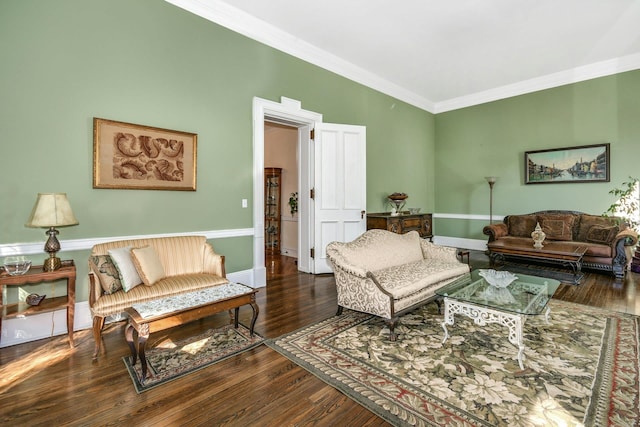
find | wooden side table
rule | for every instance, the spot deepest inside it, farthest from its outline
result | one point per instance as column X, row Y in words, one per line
column 36, row 274
column 402, row 223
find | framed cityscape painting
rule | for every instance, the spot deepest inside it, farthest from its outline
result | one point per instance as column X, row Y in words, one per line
column 130, row 156
column 585, row 163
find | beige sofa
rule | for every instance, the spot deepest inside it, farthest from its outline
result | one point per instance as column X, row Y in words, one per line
column 606, row 238
column 168, row 265
column 389, row 274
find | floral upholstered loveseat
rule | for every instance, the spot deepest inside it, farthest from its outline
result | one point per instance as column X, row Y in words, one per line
column 125, row 272
column 389, row 274
column 606, row 238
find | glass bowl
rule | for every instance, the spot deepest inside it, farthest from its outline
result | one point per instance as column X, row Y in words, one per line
column 498, row 279
column 414, row 211
column 16, row 265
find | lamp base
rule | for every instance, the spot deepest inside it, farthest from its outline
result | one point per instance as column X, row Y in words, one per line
column 51, row 264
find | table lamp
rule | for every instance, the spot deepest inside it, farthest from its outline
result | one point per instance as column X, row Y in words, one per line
column 50, row 211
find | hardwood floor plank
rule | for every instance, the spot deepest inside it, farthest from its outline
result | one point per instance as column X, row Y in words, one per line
column 45, row 382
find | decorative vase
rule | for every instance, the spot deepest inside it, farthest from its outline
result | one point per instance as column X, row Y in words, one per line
column 538, row 236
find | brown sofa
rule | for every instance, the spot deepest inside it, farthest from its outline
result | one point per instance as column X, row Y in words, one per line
column 608, row 240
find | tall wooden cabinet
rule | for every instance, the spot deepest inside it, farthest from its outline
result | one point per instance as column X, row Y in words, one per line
column 272, row 209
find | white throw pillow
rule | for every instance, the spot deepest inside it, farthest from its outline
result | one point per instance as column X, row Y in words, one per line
column 126, row 268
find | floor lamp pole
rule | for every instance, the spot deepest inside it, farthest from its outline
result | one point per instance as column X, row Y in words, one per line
column 491, row 180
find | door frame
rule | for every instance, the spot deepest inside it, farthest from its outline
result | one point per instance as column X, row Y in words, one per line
column 288, row 111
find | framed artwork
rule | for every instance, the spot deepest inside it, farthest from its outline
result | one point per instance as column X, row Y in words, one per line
column 585, row 163
column 130, row 156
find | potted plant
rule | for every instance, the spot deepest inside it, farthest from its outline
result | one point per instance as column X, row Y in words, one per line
column 293, row 203
column 627, row 206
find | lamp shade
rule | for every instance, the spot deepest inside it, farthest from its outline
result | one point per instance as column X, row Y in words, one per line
column 51, row 210
column 491, row 179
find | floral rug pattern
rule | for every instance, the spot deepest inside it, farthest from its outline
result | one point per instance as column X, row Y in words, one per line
column 170, row 360
column 581, row 369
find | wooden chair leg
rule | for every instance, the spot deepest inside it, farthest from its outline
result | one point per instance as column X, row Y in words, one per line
column 391, row 323
column 98, row 324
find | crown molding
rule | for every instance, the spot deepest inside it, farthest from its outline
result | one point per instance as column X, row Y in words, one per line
column 223, row 14
column 587, row 72
column 241, row 22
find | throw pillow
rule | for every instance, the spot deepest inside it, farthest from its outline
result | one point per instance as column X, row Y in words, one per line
column 103, row 268
column 602, row 235
column 126, row 269
column 557, row 227
column 148, row 265
column 587, row 221
column 521, row 225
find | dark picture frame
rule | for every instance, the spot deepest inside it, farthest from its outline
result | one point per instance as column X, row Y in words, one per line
column 584, row 163
column 130, row 156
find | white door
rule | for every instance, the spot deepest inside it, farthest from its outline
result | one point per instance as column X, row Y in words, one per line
column 339, row 204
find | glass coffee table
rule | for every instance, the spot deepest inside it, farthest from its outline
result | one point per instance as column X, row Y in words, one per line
column 474, row 297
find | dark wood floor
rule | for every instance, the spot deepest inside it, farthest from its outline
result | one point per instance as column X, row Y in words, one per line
column 46, row 383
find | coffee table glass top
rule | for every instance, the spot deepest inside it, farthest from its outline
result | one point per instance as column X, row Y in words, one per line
column 526, row 295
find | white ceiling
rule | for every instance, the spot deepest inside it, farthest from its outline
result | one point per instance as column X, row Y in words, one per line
column 441, row 55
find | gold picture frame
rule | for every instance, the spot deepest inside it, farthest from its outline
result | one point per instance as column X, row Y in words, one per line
column 137, row 157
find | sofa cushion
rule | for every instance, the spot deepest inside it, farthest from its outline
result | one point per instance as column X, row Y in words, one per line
column 148, row 265
column 103, row 268
column 126, row 269
column 587, row 221
column 557, row 227
column 406, row 279
column 172, row 285
column 522, row 225
column 602, row 234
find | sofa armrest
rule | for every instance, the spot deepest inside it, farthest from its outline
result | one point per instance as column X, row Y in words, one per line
column 433, row 251
column 629, row 236
column 495, row 231
column 213, row 262
column 338, row 261
column 95, row 290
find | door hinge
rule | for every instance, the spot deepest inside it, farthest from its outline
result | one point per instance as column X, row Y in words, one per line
column 312, row 134
column 312, row 194
column 312, row 252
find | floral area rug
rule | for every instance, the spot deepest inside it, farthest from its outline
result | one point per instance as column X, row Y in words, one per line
column 172, row 360
column 581, row 369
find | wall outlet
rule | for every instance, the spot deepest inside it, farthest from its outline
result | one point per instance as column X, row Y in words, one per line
column 244, row 203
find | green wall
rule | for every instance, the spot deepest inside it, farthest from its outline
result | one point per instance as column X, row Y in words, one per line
column 491, row 139
column 151, row 63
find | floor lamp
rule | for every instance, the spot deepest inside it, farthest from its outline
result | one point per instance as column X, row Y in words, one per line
column 491, row 180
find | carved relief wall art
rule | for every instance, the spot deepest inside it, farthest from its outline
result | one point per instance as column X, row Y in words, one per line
column 130, row 156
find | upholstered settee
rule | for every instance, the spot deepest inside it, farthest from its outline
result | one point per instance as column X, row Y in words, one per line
column 125, row 272
column 605, row 237
column 388, row 274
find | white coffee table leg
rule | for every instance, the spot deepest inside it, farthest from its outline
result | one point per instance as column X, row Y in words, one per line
column 514, row 323
column 448, row 319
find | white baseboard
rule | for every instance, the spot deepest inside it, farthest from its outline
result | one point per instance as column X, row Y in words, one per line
column 19, row 330
column 458, row 242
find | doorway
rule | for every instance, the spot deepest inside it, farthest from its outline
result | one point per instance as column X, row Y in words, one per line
column 288, row 113
column 281, row 234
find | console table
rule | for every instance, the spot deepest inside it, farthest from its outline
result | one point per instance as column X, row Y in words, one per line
column 36, row 274
column 402, row 223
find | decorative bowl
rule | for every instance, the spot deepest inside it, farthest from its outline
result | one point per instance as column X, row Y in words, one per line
column 16, row 265
column 499, row 279
column 398, row 196
column 414, row 211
